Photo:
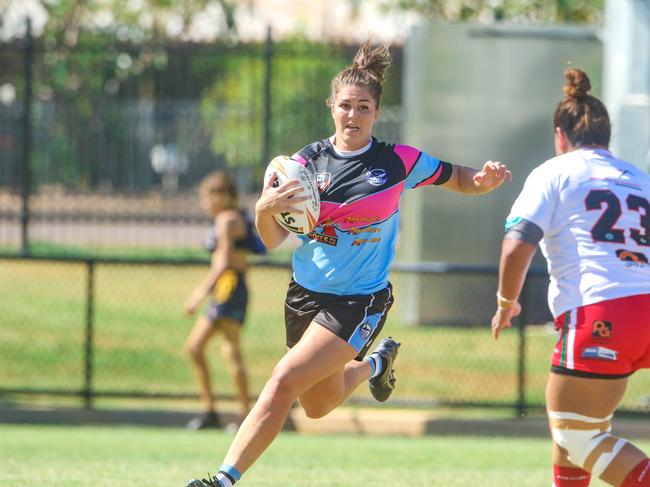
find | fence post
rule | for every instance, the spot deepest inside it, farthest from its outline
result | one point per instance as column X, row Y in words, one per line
column 522, row 320
column 88, row 351
column 268, row 63
column 25, row 172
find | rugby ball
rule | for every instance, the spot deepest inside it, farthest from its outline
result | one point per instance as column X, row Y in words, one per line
column 286, row 169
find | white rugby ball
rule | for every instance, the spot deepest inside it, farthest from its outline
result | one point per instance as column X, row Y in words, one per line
column 286, row 169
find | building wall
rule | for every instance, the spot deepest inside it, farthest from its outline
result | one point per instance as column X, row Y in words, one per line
column 473, row 93
column 627, row 78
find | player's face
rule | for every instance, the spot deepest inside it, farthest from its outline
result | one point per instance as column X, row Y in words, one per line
column 354, row 112
column 212, row 202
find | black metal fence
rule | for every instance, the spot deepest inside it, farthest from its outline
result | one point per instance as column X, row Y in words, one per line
column 143, row 124
column 98, row 328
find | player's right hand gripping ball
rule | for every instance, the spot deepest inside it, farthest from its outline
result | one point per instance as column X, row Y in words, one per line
column 287, row 168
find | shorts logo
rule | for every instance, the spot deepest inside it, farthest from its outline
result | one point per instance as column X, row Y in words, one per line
column 599, row 353
column 377, row 177
column 601, row 329
column 365, row 331
column 323, row 180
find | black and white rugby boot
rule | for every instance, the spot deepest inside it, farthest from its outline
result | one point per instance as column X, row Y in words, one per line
column 209, row 482
column 383, row 385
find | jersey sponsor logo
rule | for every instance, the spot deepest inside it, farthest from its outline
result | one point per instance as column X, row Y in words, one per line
column 629, row 256
column 358, row 242
column 599, row 353
column 328, row 236
column 323, row 180
column 601, row 329
column 361, row 219
column 357, row 231
column 377, row 177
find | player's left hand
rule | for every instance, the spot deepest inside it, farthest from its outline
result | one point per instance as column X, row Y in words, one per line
column 503, row 319
column 493, row 174
column 193, row 302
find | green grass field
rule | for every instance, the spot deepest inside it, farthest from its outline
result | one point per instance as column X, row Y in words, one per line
column 126, row 457
column 139, row 329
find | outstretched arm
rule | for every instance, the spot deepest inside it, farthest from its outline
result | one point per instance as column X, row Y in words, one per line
column 468, row 180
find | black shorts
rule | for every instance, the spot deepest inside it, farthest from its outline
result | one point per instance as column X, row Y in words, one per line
column 229, row 298
column 357, row 319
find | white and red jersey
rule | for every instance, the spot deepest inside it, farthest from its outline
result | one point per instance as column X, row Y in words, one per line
column 594, row 212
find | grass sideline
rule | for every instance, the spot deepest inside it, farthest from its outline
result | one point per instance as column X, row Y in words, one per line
column 139, row 329
column 57, row 456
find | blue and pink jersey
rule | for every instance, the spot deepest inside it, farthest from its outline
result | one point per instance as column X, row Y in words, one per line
column 353, row 244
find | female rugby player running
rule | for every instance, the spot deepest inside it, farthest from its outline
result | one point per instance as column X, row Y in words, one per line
column 339, row 296
column 591, row 216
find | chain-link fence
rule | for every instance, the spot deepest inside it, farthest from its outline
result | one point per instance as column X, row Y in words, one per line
column 115, row 329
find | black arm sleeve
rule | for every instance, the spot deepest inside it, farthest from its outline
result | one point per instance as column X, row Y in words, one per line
column 445, row 173
column 524, row 230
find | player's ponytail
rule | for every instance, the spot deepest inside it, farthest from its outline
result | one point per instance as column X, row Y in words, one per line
column 374, row 59
column 581, row 116
column 368, row 70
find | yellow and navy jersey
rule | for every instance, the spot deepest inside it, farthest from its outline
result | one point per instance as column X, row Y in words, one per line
column 250, row 242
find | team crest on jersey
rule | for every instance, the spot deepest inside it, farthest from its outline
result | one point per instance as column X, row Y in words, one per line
column 601, row 329
column 377, row 177
column 629, row 256
column 323, row 180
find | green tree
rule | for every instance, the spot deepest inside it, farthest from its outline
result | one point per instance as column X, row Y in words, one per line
column 300, row 76
column 88, row 50
column 547, row 11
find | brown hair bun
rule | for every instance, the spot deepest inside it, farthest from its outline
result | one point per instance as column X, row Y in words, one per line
column 368, row 70
column 377, row 60
column 578, row 84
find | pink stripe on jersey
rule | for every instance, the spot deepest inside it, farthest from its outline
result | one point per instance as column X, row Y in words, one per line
column 432, row 179
column 366, row 211
column 300, row 159
column 409, row 156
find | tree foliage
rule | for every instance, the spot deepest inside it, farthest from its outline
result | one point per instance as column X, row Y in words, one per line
column 136, row 21
column 542, row 11
column 88, row 54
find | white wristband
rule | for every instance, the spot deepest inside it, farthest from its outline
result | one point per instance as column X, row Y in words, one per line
column 505, row 303
column 505, row 300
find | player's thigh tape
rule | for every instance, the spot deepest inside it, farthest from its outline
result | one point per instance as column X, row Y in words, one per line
column 586, row 440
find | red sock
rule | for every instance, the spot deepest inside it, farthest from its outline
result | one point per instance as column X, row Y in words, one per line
column 570, row 477
column 639, row 476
